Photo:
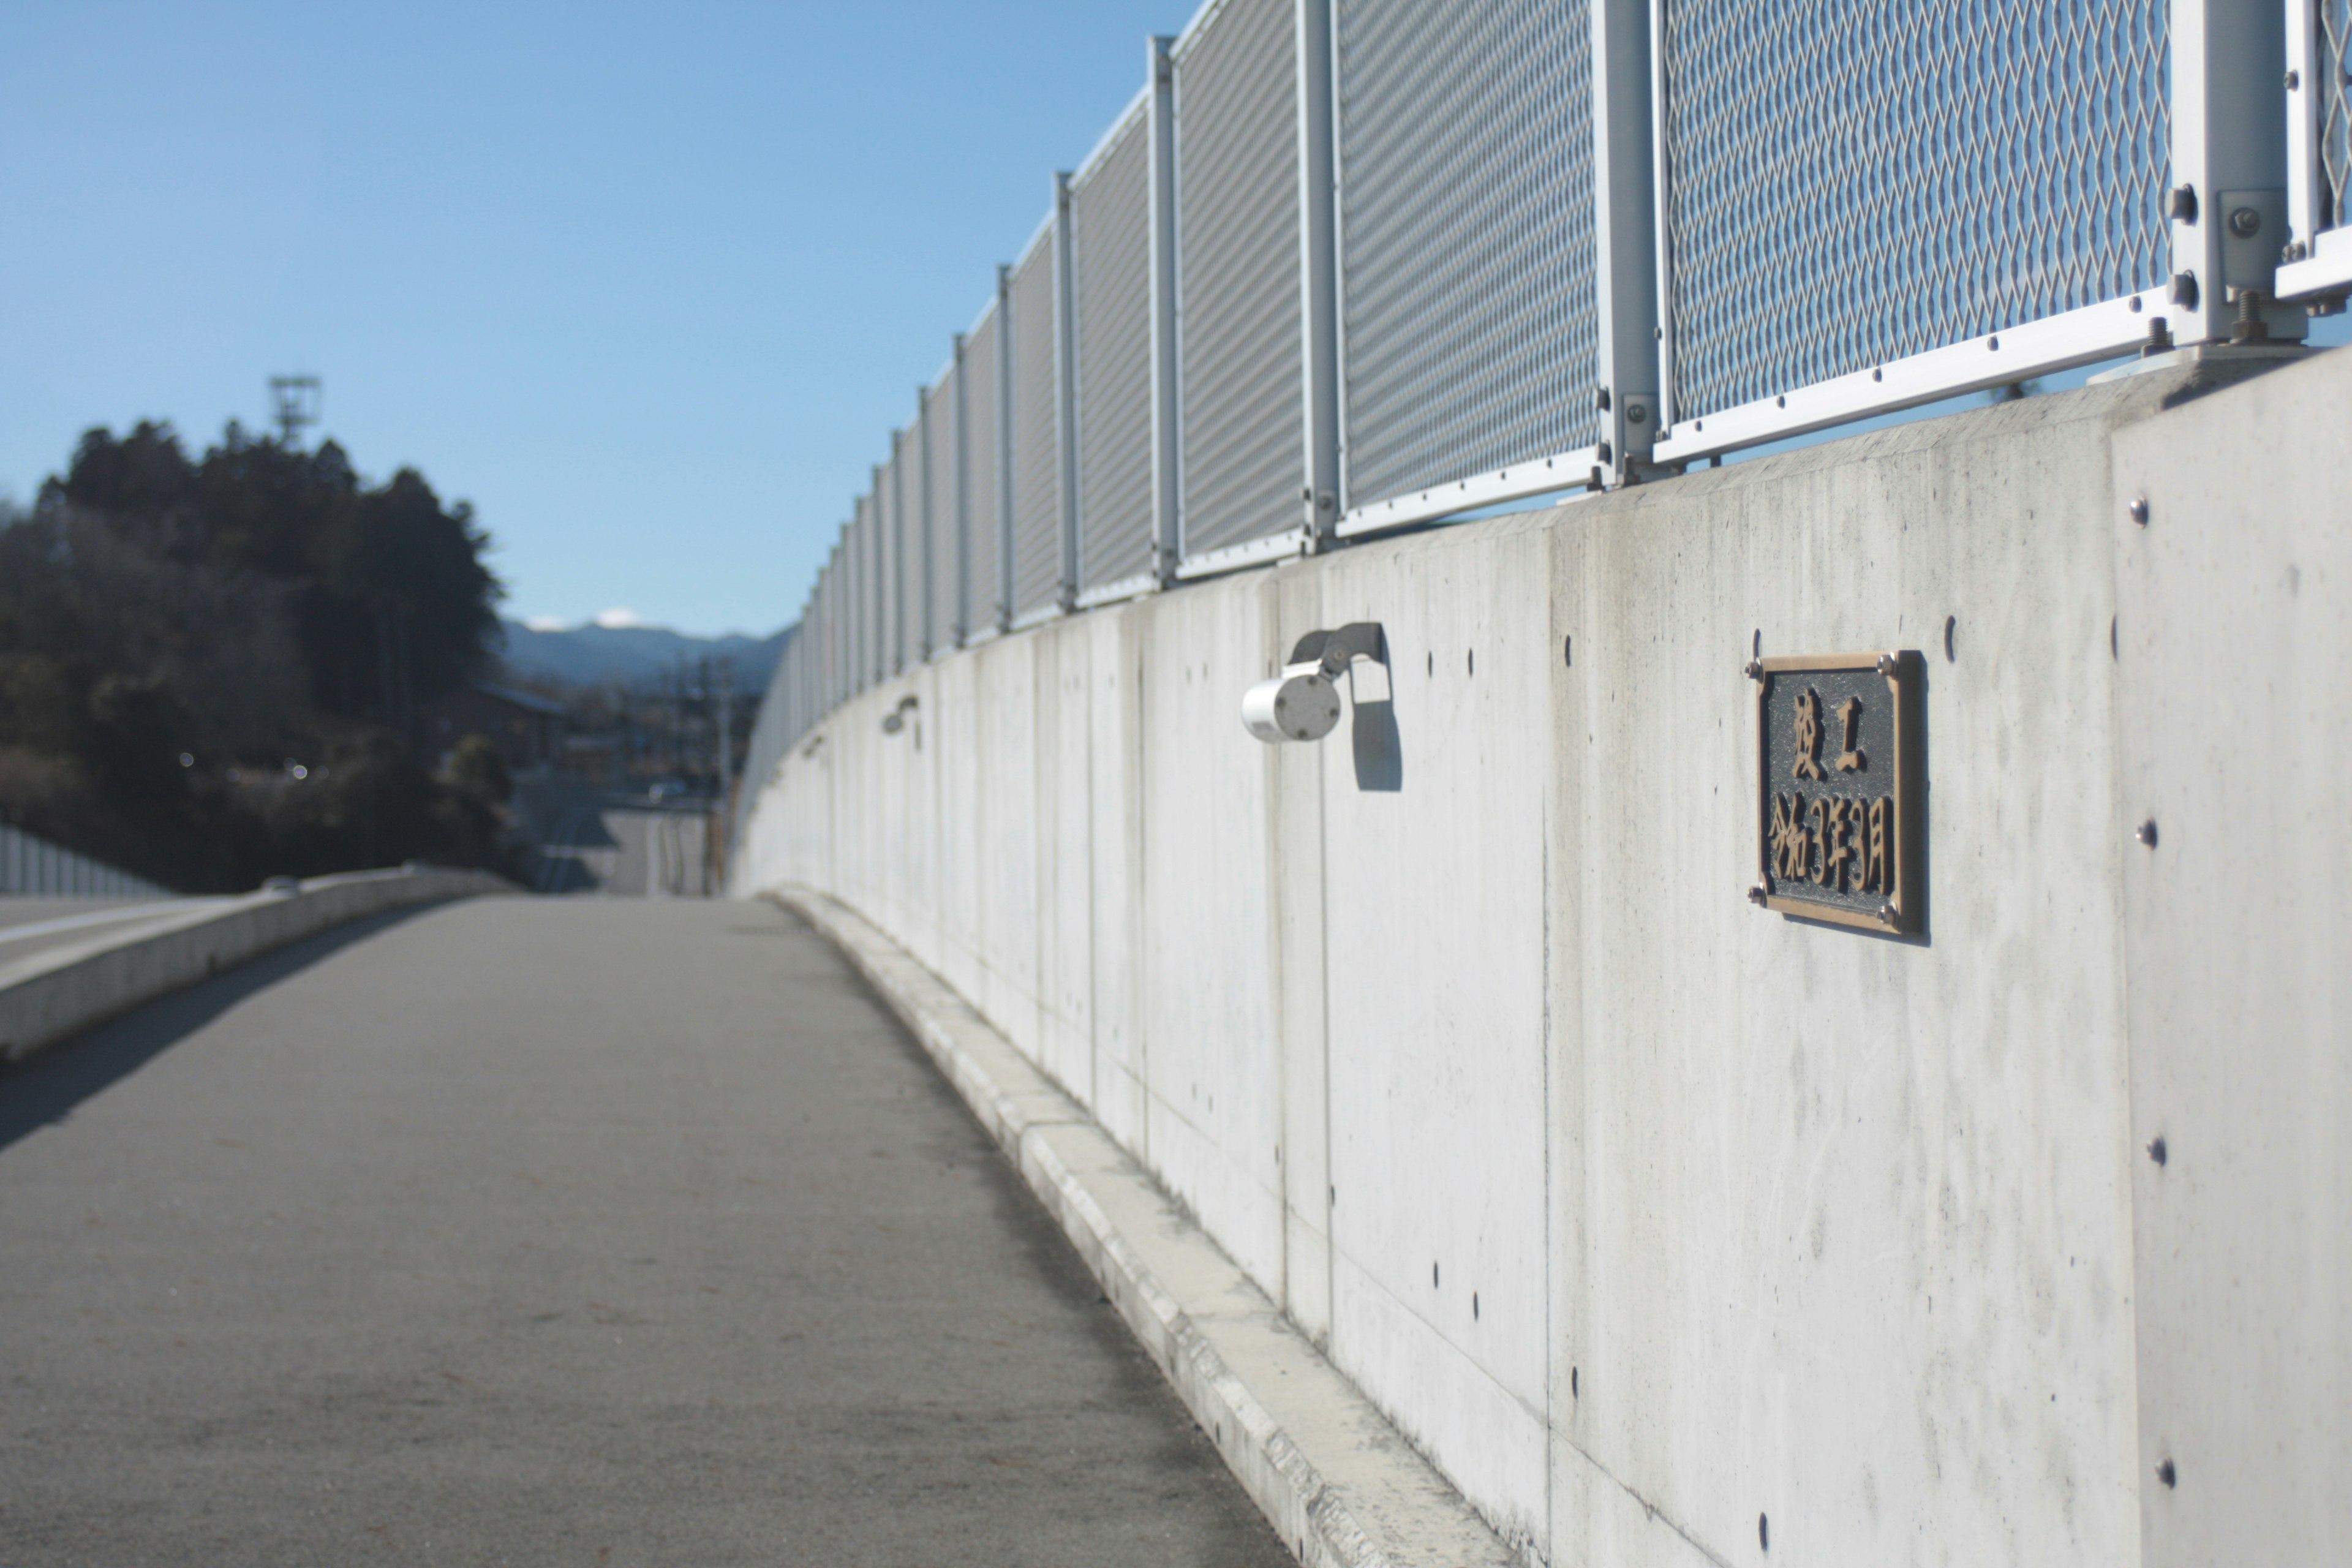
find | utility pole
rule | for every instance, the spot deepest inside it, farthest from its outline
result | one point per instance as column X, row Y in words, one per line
column 299, row 400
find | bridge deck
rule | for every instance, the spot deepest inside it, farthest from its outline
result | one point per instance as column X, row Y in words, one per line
column 555, row 1230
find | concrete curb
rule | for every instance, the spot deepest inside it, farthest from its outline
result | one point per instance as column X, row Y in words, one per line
column 1338, row 1482
column 64, row 990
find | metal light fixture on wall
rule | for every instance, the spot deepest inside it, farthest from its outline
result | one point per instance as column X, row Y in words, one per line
column 1302, row 703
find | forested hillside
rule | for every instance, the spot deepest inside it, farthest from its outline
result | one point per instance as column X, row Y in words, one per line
column 210, row 667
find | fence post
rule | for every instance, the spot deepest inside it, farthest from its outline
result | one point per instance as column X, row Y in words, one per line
column 960, row 624
column 2228, row 204
column 1065, row 389
column 1625, row 216
column 919, row 453
column 1004, row 446
column 1318, row 280
column 1159, row 129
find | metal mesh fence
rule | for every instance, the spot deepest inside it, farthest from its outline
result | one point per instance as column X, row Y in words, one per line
column 1036, row 452
column 984, row 574
column 1467, row 254
column 30, row 865
column 913, row 540
column 1855, row 181
column 1111, row 266
column 2334, row 62
column 1243, row 427
column 940, row 506
column 890, row 576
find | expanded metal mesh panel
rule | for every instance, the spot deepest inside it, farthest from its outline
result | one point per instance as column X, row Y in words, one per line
column 2334, row 88
column 1244, row 431
column 1036, row 453
column 979, row 394
column 1111, row 270
column 1853, row 181
column 1467, row 257
column 940, row 508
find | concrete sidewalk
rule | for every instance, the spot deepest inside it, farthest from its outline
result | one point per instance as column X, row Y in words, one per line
column 522, row 1231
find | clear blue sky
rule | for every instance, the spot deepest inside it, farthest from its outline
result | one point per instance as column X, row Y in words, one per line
column 648, row 284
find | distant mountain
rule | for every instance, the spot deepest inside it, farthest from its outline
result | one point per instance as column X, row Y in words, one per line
column 593, row 655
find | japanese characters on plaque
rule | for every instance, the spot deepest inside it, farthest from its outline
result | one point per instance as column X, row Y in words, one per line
column 1840, row 756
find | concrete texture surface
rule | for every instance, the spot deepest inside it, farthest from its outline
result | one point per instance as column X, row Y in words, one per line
column 556, row 1231
column 1669, row 1226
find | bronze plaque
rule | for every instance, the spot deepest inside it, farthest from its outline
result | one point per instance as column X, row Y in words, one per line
column 1842, row 793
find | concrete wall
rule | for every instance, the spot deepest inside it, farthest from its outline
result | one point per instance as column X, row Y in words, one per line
column 1650, row 1215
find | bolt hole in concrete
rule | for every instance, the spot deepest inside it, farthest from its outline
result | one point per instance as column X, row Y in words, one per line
column 1473, row 1306
column 1433, row 1275
column 1951, row 624
column 1568, row 652
column 1474, row 661
column 2156, row 1151
column 1432, row 664
column 2146, row 833
column 2165, row 1473
column 1764, row 1533
column 1572, row 1384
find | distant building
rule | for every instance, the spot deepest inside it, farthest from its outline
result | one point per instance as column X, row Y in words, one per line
column 528, row 729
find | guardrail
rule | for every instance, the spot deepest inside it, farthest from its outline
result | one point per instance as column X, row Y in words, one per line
column 1345, row 265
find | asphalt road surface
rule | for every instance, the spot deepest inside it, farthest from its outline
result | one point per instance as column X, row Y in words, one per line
column 556, row 1230
column 626, row 852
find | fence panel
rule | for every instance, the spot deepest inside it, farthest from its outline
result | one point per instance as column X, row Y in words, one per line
column 2319, row 253
column 1110, row 258
column 987, row 610
column 1853, row 181
column 1036, row 436
column 1242, row 422
column 32, row 867
column 1470, row 334
column 941, row 619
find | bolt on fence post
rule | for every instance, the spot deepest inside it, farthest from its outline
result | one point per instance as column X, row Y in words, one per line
column 1159, row 129
column 1318, row 281
column 1625, row 206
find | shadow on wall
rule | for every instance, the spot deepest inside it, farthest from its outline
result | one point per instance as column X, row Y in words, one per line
column 1379, row 756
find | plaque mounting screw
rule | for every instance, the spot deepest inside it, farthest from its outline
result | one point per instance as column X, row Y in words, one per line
column 2137, row 510
column 1888, row 664
column 1755, row 668
column 1887, row 914
column 1756, row 895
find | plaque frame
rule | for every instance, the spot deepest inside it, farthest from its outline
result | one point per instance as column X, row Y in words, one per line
column 1903, row 912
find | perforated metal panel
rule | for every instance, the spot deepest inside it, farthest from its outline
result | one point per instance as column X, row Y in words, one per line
column 2335, row 88
column 1470, row 333
column 979, row 394
column 1110, row 264
column 1855, row 181
column 1243, row 427
column 1036, row 454
column 939, row 510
